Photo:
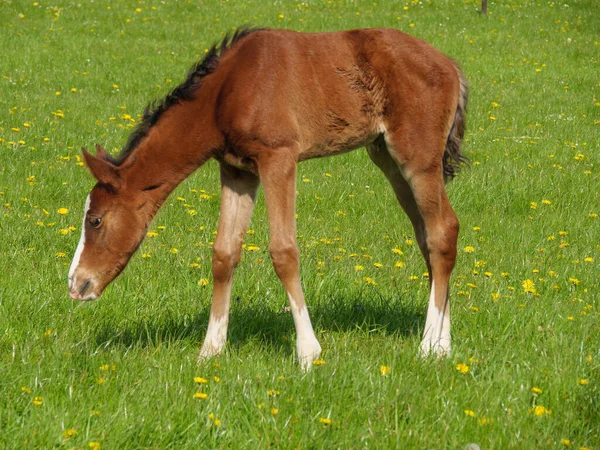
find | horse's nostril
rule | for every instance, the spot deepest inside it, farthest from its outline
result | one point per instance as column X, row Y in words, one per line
column 84, row 287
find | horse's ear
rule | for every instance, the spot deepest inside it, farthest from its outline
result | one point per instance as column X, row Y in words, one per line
column 101, row 153
column 104, row 171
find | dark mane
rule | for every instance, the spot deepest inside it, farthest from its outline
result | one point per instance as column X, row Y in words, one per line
column 184, row 92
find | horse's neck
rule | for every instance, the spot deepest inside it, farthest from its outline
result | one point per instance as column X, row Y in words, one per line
column 180, row 142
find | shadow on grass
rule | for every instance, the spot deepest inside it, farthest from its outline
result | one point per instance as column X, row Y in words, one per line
column 394, row 316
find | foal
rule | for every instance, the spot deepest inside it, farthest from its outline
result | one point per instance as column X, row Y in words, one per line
column 259, row 103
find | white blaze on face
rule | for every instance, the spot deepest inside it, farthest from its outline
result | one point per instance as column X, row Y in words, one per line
column 79, row 249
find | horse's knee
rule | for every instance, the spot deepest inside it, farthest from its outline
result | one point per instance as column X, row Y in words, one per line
column 285, row 260
column 224, row 261
column 442, row 241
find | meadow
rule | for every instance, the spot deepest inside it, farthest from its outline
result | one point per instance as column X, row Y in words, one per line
column 121, row 372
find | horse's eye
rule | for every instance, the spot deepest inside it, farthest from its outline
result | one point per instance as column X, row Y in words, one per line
column 95, row 221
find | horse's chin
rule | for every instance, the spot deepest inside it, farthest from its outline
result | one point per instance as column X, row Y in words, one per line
column 89, row 297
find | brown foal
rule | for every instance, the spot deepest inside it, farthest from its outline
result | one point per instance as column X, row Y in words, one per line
column 259, row 103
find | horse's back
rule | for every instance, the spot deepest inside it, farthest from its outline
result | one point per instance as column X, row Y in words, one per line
column 328, row 92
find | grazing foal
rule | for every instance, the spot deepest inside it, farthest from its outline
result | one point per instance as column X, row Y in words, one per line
column 259, row 103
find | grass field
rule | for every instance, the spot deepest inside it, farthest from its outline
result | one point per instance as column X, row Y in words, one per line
column 120, row 373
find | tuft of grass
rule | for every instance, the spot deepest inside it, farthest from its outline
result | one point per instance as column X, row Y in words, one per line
column 119, row 373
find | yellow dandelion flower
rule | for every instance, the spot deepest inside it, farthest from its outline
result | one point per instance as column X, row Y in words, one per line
column 358, row 268
column 400, row 264
column 95, row 445
column 536, row 390
column 70, row 432
column 201, row 395
column 397, row 251
column 273, row 393
column 174, row 250
column 528, row 286
column 384, row 370
column 203, row 282
column 38, row 401
column 26, row 390
column 540, row 410
column 462, row 368
column 378, row 265
column 325, row 421
column 62, row 211
column 200, row 380
column 469, row 412
column 565, row 442
column 469, row 249
column 319, row 362
column 274, row 411
column 370, row 281
column 583, row 382
column 252, row 248
column 151, row 234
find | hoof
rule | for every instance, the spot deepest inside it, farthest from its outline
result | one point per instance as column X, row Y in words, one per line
column 208, row 352
column 437, row 349
column 308, row 352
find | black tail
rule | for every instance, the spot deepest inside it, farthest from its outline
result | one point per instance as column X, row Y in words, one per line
column 453, row 157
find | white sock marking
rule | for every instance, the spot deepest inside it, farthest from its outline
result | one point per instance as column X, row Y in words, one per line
column 307, row 345
column 80, row 245
column 216, row 336
column 436, row 337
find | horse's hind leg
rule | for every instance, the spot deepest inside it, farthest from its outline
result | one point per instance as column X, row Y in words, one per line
column 382, row 159
column 238, row 191
column 419, row 186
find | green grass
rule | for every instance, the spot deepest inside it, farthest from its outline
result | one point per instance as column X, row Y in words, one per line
column 120, row 371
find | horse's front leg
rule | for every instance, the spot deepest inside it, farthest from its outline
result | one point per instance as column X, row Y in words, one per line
column 238, row 191
column 277, row 172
